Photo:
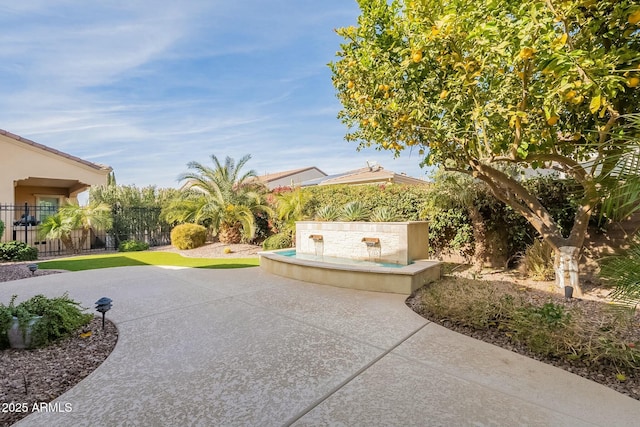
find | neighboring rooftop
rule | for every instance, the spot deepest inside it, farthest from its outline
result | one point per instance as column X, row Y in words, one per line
column 372, row 174
column 292, row 177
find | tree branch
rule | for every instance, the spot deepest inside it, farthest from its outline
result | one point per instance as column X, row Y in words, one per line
column 512, row 193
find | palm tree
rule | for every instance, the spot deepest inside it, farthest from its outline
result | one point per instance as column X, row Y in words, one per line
column 623, row 271
column 73, row 217
column 222, row 198
column 293, row 206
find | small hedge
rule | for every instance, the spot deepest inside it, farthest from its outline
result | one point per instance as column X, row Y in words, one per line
column 17, row 251
column 188, row 236
column 132, row 246
column 277, row 241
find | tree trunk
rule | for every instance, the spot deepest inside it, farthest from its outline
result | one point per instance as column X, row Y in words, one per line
column 83, row 239
column 230, row 233
column 566, row 268
column 479, row 237
column 67, row 242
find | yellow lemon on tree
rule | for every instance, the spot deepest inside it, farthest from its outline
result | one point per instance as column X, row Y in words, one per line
column 634, row 18
column 351, row 84
column 553, row 120
column 526, row 53
column 416, row 56
column 633, row 81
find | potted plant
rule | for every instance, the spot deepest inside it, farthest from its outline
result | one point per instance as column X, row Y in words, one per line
column 39, row 320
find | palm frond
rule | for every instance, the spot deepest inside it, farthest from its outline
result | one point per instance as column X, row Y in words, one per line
column 623, row 271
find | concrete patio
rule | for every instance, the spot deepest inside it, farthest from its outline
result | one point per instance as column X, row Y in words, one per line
column 246, row 348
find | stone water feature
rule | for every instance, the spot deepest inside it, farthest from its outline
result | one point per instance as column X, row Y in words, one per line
column 376, row 256
column 386, row 242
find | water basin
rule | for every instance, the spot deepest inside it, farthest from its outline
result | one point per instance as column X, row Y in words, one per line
column 352, row 274
column 336, row 260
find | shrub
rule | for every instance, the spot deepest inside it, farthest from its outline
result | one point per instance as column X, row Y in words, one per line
column 132, row 246
column 188, row 236
column 544, row 328
column 450, row 231
column 537, row 261
column 1, row 228
column 407, row 201
column 465, row 302
column 277, row 241
column 60, row 316
column 17, row 251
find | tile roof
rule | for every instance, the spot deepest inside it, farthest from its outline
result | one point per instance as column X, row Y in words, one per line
column 53, row 151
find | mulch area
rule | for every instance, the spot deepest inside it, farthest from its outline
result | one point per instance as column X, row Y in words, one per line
column 32, row 377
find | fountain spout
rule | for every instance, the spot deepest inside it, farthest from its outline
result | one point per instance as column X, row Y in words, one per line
column 371, row 242
column 316, row 237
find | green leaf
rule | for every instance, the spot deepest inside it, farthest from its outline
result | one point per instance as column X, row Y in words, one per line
column 594, row 106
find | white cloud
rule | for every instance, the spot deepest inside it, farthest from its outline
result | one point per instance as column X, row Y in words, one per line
column 146, row 87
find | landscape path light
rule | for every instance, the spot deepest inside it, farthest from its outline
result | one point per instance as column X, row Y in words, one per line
column 32, row 268
column 103, row 305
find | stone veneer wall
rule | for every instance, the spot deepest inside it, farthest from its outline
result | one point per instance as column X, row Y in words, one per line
column 400, row 242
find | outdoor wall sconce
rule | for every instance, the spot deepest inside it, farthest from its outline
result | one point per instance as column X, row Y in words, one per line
column 371, row 241
column 32, row 268
column 316, row 237
column 103, row 305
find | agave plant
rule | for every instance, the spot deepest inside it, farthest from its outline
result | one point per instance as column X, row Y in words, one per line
column 327, row 213
column 354, row 211
column 383, row 214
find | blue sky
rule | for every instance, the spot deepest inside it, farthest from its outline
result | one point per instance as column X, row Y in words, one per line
column 147, row 86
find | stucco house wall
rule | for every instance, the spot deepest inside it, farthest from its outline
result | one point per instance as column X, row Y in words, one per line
column 31, row 172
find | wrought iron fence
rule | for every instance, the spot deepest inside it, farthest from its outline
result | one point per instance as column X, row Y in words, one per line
column 21, row 223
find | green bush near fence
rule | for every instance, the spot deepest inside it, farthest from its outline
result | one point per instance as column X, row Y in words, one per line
column 132, row 246
column 17, row 251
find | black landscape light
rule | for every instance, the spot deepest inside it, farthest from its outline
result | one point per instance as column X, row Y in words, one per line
column 103, row 305
column 32, row 268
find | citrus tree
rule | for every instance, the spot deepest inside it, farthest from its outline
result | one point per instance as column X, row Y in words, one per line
column 486, row 87
column 222, row 197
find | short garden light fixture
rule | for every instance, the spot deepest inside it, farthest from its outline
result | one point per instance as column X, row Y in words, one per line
column 103, row 305
column 32, row 268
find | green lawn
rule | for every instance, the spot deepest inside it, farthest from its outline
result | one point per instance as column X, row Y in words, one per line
column 125, row 259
